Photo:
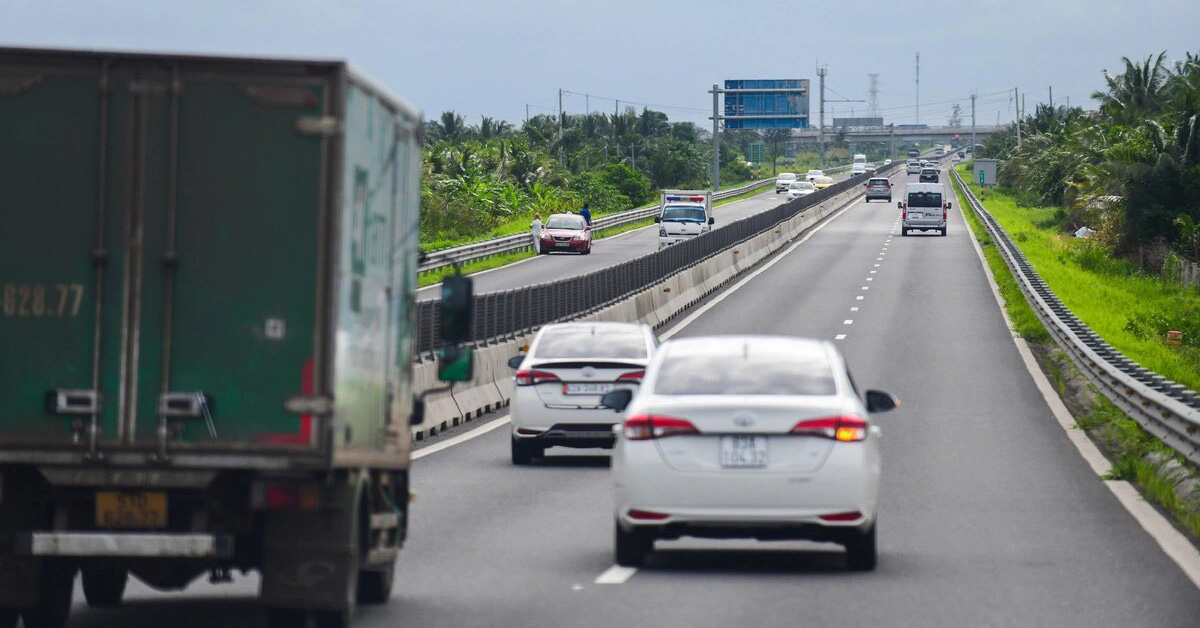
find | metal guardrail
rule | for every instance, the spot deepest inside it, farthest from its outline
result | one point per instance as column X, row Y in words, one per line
column 442, row 258
column 505, row 314
column 1166, row 409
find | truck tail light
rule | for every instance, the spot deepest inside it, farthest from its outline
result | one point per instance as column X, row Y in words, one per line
column 651, row 426
column 847, row 429
column 290, row 496
column 531, row 377
column 853, row 515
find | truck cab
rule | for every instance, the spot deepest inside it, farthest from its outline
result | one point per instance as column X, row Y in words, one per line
column 683, row 215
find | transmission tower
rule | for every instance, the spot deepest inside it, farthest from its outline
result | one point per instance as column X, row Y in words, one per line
column 873, row 97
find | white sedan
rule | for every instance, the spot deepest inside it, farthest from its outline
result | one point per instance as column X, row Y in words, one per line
column 747, row 437
column 800, row 188
column 559, row 383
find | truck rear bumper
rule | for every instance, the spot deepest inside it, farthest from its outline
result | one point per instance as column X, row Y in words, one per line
column 125, row 545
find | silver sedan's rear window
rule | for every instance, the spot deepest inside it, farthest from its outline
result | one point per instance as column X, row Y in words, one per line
column 599, row 341
column 749, row 373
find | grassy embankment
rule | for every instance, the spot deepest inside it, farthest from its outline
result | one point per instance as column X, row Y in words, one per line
column 1135, row 454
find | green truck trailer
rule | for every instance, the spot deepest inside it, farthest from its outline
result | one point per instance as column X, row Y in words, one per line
column 207, row 274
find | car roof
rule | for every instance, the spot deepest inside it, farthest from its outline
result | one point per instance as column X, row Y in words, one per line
column 874, row 179
column 786, row 174
column 802, row 348
column 564, row 216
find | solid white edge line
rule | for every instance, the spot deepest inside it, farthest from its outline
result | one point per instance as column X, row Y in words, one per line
column 1174, row 544
column 616, row 575
column 461, row 438
column 775, row 260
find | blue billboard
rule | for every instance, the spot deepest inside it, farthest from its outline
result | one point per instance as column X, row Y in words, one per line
column 743, row 110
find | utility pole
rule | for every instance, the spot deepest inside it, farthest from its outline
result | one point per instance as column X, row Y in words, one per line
column 587, row 104
column 1017, row 108
column 873, row 97
column 527, row 114
column 560, row 129
column 821, row 124
column 892, row 131
column 616, row 107
column 1051, row 98
column 716, row 149
column 973, row 141
column 918, row 100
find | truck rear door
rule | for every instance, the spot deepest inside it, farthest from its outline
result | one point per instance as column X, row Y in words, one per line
column 163, row 261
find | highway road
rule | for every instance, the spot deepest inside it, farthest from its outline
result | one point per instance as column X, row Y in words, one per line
column 605, row 251
column 989, row 516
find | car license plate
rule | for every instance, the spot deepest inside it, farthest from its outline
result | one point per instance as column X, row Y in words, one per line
column 562, row 244
column 743, row 451
column 587, row 389
column 131, row 510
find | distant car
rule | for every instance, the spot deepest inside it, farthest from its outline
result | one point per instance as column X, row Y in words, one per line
column 813, row 174
column 747, row 437
column 800, row 188
column 879, row 187
column 783, row 181
column 962, row 155
column 914, row 168
column 924, row 208
column 870, row 167
column 559, row 383
column 566, row 232
column 858, row 168
column 887, row 162
column 822, row 182
column 929, row 175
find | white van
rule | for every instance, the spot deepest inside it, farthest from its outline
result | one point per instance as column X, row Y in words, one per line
column 859, row 164
column 924, row 208
column 683, row 215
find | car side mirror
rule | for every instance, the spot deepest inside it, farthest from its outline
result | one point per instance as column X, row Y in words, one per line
column 949, row 205
column 712, row 221
column 515, row 361
column 587, row 228
column 900, row 204
column 617, row 400
column 658, row 219
column 456, row 363
column 879, row 401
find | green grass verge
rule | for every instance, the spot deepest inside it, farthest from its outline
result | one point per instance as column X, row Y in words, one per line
column 1103, row 293
column 1024, row 321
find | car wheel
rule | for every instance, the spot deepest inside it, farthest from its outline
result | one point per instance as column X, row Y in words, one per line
column 103, row 586
column 524, row 452
column 375, row 585
column 588, row 250
column 860, row 551
column 630, row 548
column 903, row 231
column 943, row 232
column 54, row 606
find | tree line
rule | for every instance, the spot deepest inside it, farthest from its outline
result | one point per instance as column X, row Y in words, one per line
column 477, row 178
column 1129, row 170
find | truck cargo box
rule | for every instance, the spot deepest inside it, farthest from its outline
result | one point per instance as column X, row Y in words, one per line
column 204, row 262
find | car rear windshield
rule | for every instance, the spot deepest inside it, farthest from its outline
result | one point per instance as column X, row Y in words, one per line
column 786, row 176
column 924, row 199
column 591, row 342
column 754, row 373
column 564, row 222
column 878, row 182
column 684, row 213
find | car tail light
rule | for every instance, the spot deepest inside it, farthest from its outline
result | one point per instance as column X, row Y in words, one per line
column 847, row 429
column 529, row 378
column 650, row 426
column 943, row 213
column 647, row 515
column 632, row 376
column 853, row 515
column 904, row 212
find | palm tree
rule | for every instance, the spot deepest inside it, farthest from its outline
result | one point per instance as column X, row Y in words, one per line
column 450, row 127
column 491, row 128
column 1137, row 93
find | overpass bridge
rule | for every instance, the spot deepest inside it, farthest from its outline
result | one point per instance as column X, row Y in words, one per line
column 902, row 134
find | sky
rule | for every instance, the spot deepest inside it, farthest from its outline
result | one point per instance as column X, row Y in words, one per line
column 490, row 57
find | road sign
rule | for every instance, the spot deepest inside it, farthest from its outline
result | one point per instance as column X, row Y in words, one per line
column 981, row 177
column 766, row 104
column 754, row 152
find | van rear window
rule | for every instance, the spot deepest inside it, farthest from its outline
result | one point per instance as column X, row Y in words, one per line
column 924, row 199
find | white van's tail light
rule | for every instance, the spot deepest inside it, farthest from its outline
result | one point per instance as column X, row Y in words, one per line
column 632, row 376
column 650, row 426
column 853, row 515
column 847, row 429
column 529, row 378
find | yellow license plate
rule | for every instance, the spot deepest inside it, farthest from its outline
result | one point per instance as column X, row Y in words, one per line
column 131, row 510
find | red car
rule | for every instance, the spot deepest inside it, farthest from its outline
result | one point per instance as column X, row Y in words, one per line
column 566, row 232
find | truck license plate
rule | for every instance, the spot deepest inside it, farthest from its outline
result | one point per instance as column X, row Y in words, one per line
column 131, row 510
column 743, row 451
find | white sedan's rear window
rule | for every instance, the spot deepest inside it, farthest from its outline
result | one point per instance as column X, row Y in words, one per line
column 591, row 342
column 744, row 374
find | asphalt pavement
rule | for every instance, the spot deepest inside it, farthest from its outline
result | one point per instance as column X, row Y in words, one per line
column 988, row 515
